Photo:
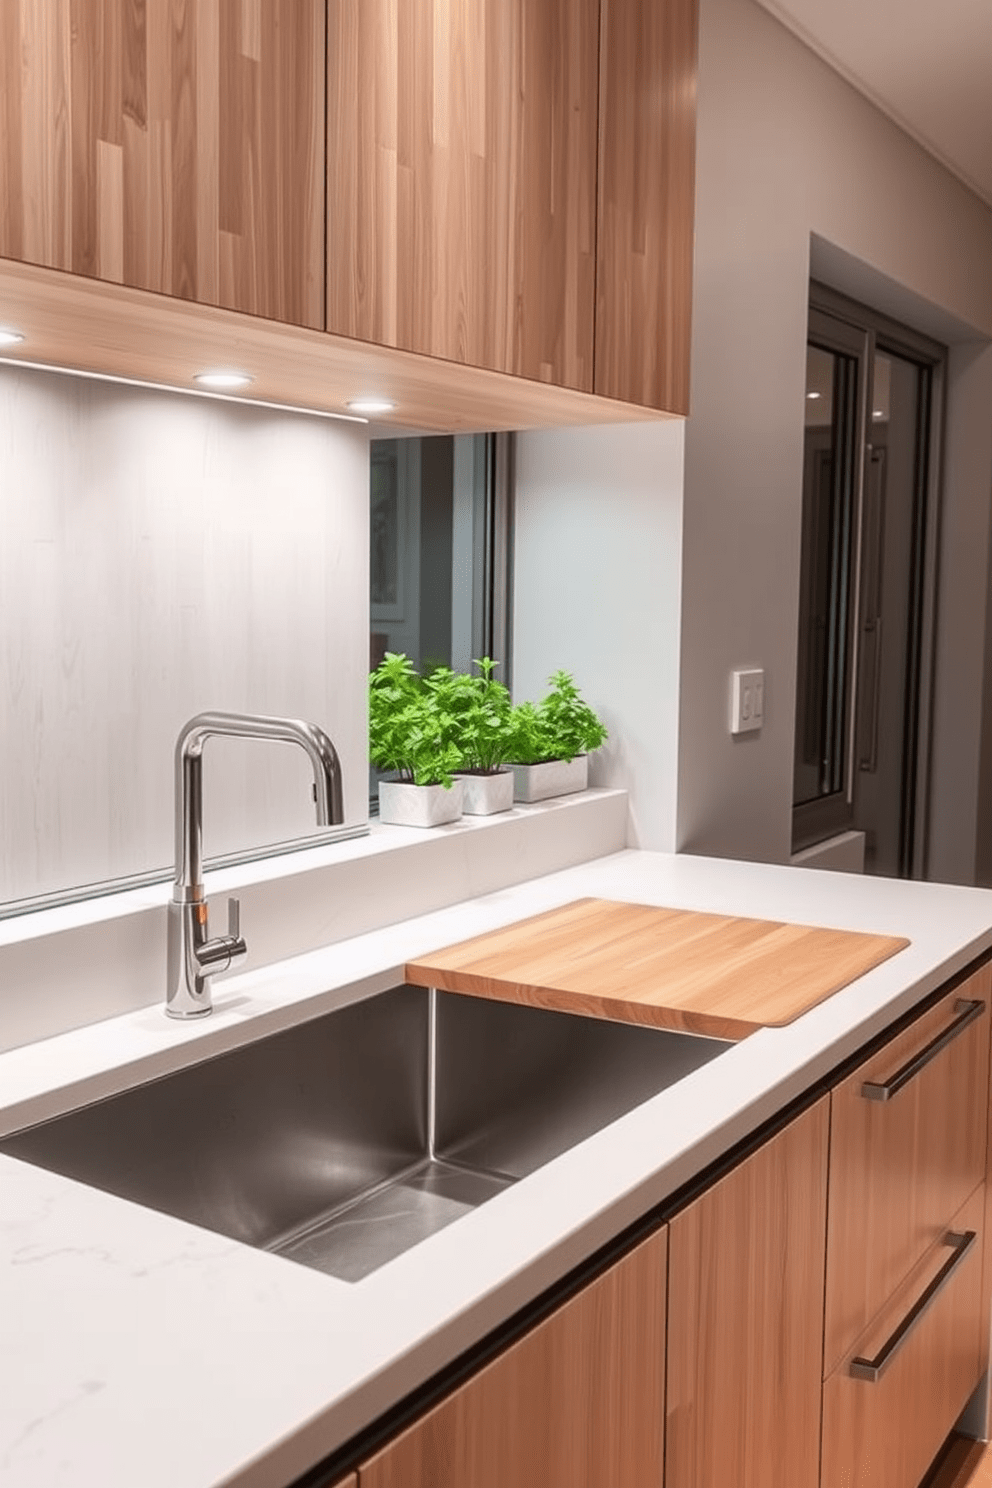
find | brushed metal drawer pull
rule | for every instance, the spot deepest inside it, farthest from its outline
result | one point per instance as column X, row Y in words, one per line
column 966, row 1011
column 873, row 1369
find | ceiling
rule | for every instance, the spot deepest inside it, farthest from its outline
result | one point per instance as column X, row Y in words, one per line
column 928, row 66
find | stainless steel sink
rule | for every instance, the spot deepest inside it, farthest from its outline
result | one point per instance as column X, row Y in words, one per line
column 345, row 1140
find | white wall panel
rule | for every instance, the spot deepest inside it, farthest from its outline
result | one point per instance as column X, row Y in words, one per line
column 597, row 552
column 160, row 555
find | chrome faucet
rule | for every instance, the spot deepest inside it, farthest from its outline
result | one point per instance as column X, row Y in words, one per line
column 193, row 958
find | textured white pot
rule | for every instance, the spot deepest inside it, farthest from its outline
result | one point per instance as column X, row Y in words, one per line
column 405, row 805
column 485, row 795
column 550, row 778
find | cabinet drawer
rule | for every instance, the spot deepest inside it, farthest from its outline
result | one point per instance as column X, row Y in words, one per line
column 885, row 1432
column 907, row 1147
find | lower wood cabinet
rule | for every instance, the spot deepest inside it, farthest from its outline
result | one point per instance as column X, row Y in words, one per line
column 908, row 1138
column 745, row 1319
column 907, row 1315
column 889, row 1406
column 579, row 1402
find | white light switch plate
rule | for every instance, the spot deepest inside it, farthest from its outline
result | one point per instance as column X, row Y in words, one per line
column 747, row 701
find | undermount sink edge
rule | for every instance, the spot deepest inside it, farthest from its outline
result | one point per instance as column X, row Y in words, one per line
column 342, row 1141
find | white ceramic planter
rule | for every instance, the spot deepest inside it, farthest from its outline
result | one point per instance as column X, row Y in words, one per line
column 485, row 795
column 551, row 778
column 405, row 805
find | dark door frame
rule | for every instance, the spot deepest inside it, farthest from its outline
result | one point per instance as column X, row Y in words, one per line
column 842, row 324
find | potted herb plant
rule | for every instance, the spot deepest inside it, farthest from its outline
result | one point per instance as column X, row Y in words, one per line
column 551, row 742
column 412, row 725
column 485, row 738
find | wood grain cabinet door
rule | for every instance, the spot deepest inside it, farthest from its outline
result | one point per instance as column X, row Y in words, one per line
column 745, row 1319
column 172, row 145
column 908, row 1140
column 889, row 1405
column 461, row 155
column 577, row 1403
column 647, row 129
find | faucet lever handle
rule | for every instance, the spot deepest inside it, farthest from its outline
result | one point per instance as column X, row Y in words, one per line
column 234, row 918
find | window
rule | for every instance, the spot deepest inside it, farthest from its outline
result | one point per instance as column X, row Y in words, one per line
column 439, row 556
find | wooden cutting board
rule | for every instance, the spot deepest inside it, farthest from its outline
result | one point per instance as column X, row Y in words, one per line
column 672, row 968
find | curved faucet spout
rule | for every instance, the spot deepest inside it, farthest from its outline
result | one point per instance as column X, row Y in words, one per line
column 193, row 957
column 189, row 780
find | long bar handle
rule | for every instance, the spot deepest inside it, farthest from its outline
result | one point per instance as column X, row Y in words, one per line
column 966, row 1012
column 873, row 1369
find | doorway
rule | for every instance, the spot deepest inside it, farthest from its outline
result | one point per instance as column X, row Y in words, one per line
column 874, row 394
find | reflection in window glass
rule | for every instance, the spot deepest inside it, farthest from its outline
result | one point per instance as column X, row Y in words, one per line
column 438, row 551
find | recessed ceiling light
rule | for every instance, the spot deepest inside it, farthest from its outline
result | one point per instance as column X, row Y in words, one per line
column 370, row 405
column 222, row 381
column 10, row 337
column 813, row 395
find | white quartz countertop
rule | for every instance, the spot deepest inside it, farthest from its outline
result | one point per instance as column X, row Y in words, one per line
column 137, row 1349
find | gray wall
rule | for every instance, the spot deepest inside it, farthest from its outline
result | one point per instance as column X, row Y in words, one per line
column 787, row 150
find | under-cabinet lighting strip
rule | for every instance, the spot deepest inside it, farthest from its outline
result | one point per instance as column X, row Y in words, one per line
column 170, row 387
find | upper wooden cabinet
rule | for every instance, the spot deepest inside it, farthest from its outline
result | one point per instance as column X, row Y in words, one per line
column 170, row 145
column 462, row 180
column 647, row 160
column 506, row 185
column 511, row 186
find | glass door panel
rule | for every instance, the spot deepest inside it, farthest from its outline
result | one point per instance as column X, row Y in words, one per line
column 890, row 612
column 835, row 375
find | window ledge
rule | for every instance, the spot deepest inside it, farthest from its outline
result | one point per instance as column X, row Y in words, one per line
column 76, row 964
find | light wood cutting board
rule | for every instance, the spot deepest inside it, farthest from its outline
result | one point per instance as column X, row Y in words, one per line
column 672, row 968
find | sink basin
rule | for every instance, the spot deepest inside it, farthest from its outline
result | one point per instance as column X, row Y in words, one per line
column 345, row 1140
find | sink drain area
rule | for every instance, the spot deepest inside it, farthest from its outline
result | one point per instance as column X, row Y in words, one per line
column 357, row 1238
